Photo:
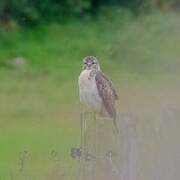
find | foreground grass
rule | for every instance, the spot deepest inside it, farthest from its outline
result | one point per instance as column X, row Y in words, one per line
column 37, row 117
column 39, row 109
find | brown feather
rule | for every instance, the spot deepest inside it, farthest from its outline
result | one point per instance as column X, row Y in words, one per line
column 107, row 93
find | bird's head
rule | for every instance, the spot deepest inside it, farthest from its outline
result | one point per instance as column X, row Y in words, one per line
column 91, row 63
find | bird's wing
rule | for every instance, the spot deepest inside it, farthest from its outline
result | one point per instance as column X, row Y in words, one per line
column 107, row 93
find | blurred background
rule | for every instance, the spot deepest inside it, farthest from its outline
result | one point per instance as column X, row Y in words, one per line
column 42, row 44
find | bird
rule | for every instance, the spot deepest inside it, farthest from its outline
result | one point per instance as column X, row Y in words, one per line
column 96, row 90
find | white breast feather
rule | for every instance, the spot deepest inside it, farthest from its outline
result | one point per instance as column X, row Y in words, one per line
column 88, row 91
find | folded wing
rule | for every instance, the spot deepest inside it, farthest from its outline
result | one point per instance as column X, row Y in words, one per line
column 107, row 93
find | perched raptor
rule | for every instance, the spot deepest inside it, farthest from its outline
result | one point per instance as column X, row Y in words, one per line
column 96, row 90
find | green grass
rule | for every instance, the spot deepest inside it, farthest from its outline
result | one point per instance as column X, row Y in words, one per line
column 39, row 109
column 36, row 117
column 143, row 46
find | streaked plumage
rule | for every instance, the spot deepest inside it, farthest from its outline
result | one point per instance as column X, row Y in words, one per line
column 96, row 90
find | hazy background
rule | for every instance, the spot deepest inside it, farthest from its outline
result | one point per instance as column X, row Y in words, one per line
column 42, row 44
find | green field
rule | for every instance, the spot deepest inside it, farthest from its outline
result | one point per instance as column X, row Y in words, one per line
column 39, row 109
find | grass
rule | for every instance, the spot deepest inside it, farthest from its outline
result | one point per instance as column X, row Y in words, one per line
column 39, row 109
column 35, row 118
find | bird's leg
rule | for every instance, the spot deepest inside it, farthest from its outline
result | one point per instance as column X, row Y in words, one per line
column 81, row 168
column 83, row 129
column 82, row 116
column 115, row 127
column 85, row 133
column 94, row 115
column 96, row 133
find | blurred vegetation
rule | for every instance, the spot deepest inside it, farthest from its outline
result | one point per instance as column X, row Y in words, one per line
column 143, row 45
column 39, row 66
column 33, row 12
column 39, row 109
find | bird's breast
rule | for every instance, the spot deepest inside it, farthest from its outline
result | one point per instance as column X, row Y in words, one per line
column 88, row 90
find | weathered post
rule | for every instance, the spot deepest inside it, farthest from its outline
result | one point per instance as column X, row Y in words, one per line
column 104, row 154
column 98, row 155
